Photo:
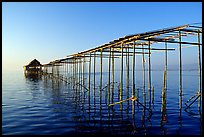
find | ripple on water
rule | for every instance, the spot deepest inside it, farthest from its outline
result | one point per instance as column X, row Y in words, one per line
column 32, row 107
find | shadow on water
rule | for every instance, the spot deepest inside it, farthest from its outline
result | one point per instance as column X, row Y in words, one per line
column 81, row 112
column 91, row 115
column 33, row 77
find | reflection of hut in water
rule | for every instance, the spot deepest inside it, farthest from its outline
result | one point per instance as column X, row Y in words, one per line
column 33, row 68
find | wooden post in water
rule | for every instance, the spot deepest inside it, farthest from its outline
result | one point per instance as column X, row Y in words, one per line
column 67, row 70
column 109, row 66
column 180, row 71
column 149, row 75
column 199, row 74
column 74, row 73
column 121, row 76
column 113, row 75
column 143, row 69
column 84, row 61
column 101, row 69
column 133, row 71
column 76, row 76
column 89, row 86
column 164, row 94
column 127, row 76
column 94, row 78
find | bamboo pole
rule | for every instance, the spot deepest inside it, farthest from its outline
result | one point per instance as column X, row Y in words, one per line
column 77, row 81
column 143, row 69
column 113, row 75
column 121, row 76
column 94, row 79
column 180, row 70
column 127, row 76
column 199, row 73
column 101, row 69
column 109, row 66
column 84, row 61
column 149, row 75
column 133, row 71
column 164, row 93
column 89, row 84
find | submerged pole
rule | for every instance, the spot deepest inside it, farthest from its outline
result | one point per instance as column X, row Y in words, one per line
column 113, row 74
column 133, row 70
column 199, row 73
column 143, row 69
column 164, row 94
column 127, row 76
column 101, row 69
column 180, row 71
column 89, row 86
column 94, row 79
column 83, row 76
column 149, row 74
column 121, row 76
column 109, row 66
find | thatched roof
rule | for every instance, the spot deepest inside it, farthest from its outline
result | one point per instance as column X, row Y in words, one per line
column 34, row 63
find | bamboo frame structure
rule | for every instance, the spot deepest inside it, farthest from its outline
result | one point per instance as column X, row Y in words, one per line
column 78, row 67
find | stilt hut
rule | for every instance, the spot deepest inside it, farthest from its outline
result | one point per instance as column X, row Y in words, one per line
column 34, row 67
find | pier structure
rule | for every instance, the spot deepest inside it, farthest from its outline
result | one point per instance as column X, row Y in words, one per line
column 84, row 71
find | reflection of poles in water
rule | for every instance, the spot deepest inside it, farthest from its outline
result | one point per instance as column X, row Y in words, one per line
column 109, row 122
column 153, row 96
column 133, row 110
column 143, row 114
column 179, row 120
column 163, row 109
column 137, row 96
column 164, row 88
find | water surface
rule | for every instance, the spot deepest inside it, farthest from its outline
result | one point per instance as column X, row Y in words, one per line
column 48, row 106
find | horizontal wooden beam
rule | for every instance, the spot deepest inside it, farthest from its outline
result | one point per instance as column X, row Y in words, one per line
column 162, row 40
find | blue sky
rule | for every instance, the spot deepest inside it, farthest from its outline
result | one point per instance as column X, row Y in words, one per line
column 48, row 31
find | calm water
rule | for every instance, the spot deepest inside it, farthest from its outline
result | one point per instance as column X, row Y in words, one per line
column 47, row 106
